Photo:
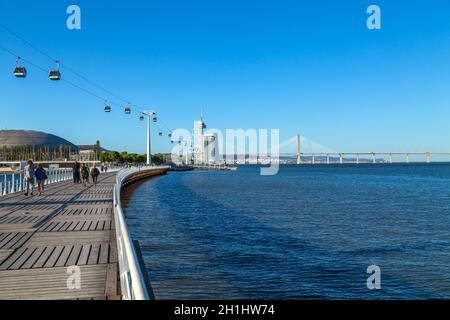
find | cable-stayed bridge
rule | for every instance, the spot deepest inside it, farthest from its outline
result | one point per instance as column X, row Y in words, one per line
column 307, row 151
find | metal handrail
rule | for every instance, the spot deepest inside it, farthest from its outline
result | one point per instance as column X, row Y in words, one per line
column 131, row 275
column 15, row 182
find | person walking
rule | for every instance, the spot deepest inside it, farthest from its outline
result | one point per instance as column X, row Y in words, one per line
column 84, row 174
column 41, row 176
column 29, row 176
column 94, row 174
column 76, row 172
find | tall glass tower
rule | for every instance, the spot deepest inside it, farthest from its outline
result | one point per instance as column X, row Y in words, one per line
column 199, row 143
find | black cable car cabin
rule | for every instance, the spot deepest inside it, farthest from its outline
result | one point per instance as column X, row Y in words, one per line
column 55, row 75
column 19, row 71
column 107, row 109
column 127, row 110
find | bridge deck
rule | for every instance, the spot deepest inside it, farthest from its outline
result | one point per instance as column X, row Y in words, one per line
column 40, row 237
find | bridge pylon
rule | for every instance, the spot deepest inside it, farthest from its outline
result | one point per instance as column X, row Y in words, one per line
column 299, row 151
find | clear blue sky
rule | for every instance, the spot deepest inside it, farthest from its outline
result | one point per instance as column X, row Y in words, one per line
column 302, row 66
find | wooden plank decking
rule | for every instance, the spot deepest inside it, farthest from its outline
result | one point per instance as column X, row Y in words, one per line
column 40, row 237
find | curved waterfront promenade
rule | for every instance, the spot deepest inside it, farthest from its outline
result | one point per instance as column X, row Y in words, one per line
column 47, row 242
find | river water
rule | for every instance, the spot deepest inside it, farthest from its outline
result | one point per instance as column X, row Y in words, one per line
column 309, row 232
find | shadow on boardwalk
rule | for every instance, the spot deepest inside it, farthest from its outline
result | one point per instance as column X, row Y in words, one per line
column 40, row 237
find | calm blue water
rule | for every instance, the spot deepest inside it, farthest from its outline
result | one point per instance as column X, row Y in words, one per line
column 307, row 233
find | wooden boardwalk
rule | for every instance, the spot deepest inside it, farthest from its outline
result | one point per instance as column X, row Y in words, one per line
column 41, row 237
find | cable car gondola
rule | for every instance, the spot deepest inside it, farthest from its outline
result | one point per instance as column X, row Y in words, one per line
column 19, row 71
column 160, row 134
column 55, row 75
column 141, row 118
column 127, row 110
column 107, row 108
column 155, row 119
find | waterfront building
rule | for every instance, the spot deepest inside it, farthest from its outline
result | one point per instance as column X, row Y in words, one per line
column 20, row 145
column 16, row 145
column 198, row 141
column 205, row 146
column 89, row 152
column 211, row 148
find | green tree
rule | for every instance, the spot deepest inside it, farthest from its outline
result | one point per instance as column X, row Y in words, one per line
column 125, row 157
column 141, row 158
column 97, row 149
column 114, row 156
column 157, row 159
column 104, row 157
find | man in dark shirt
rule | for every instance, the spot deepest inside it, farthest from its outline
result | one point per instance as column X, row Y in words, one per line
column 76, row 172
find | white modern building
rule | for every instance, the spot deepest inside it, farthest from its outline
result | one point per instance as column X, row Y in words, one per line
column 205, row 146
column 198, row 141
column 211, row 148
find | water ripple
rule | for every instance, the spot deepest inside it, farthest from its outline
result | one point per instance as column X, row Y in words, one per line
column 307, row 233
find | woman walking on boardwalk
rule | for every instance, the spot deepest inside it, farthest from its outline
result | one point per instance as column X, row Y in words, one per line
column 29, row 176
column 41, row 176
column 84, row 174
column 94, row 174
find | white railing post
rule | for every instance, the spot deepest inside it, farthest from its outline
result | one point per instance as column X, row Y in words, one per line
column 20, row 182
column 13, row 183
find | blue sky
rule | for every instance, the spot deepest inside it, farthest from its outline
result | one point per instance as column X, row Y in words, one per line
column 309, row 67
